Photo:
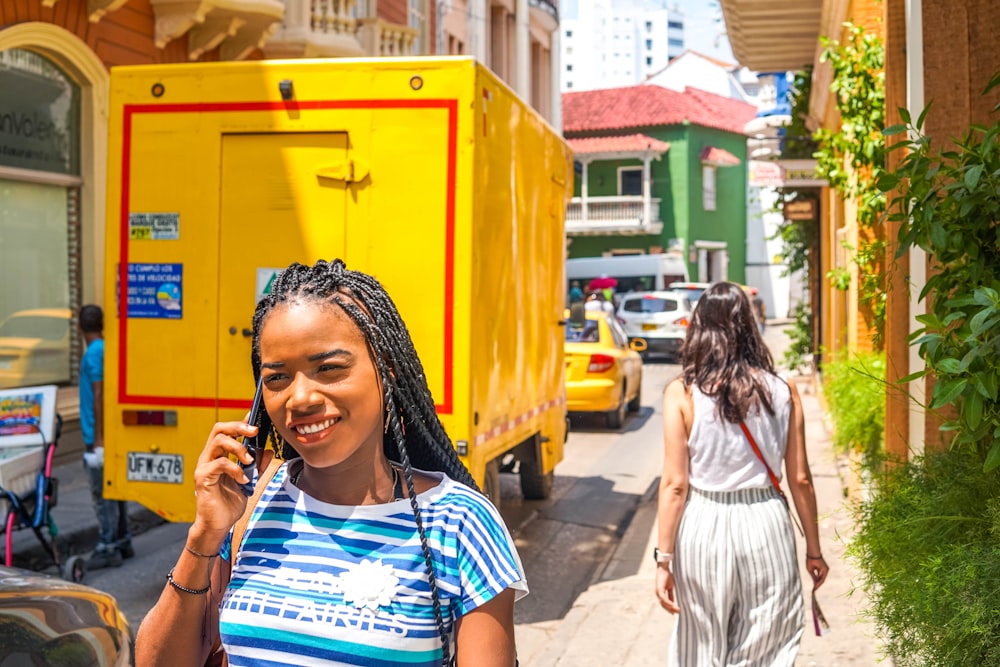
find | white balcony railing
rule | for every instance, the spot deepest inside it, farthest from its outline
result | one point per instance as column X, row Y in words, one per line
column 618, row 215
column 316, row 29
column 381, row 38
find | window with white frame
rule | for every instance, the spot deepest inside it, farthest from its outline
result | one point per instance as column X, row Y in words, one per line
column 629, row 181
column 708, row 187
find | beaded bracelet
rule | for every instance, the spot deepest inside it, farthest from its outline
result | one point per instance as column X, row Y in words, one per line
column 192, row 591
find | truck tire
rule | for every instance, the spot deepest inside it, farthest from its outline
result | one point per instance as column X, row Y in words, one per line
column 636, row 403
column 491, row 482
column 616, row 417
column 536, row 485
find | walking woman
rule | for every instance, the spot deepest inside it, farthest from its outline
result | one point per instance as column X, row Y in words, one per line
column 725, row 556
column 370, row 545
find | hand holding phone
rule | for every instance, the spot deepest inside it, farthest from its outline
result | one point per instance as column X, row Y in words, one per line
column 251, row 442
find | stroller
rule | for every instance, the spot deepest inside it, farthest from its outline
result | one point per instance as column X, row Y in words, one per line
column 27, row 505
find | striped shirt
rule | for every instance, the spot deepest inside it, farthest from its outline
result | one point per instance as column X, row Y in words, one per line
column 319, row 584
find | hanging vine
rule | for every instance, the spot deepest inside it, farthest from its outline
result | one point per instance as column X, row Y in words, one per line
column 852, row 159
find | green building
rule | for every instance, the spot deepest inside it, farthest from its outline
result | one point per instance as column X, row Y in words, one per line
column 660, row 171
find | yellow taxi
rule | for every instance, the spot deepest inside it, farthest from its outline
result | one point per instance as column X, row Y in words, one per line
column 34, row 347
column 603, row 369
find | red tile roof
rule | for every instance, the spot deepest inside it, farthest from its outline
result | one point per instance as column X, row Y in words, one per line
column 720, row 157
column 650, row 106
column 627, row 143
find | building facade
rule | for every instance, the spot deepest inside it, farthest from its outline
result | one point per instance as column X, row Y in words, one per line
column 517, row 39
column 614, row 43
column 660, row 171
column 943, row 52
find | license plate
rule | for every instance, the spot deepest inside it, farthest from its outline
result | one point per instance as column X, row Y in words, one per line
column 648, row 326
column 166, row 468
column 6, row 365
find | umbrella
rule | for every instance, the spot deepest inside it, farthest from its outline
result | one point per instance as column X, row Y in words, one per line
column 601, row 283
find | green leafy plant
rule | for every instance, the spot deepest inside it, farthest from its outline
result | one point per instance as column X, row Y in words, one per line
column 798, row 237
column 854, row 388
column 948, row 204
column 852, row 157
column 800, row 349
column 928, row 550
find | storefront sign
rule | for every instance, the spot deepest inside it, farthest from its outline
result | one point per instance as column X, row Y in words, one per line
column 39, row 114
column 154, row 226
column 802, row 209
column 155, row 291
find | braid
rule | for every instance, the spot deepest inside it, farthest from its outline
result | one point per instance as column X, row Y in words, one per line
column 397, row 432
column 424, row 444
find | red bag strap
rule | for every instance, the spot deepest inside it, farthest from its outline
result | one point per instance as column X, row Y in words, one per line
column 756, row 450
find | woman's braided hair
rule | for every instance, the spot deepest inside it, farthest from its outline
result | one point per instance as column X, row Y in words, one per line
column 415, row 436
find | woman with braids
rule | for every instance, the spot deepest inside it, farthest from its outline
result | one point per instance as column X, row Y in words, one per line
column 371, row 544
column 726, row 550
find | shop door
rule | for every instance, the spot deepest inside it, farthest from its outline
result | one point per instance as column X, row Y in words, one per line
column 277, row 207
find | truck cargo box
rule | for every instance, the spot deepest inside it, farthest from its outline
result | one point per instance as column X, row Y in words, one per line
column 428, row 173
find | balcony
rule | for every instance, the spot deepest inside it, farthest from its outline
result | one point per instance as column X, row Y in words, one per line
column 613, row 215
column 316, row 29
column 381, row 38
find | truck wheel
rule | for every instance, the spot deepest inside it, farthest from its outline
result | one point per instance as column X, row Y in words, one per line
column 534, row 484
column 491, row 482
column 616, row 417
column 636, row 403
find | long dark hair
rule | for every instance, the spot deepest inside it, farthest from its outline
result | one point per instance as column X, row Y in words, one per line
column 724, row 353
column 415, row 436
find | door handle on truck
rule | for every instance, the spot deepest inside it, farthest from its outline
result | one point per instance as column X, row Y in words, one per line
column 561, row 323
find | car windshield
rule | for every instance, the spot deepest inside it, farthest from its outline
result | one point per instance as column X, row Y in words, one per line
column 588, row 333
column 650, row 304
column 33, row 326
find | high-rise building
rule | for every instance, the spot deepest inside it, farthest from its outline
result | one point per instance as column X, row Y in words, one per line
column 615, row 43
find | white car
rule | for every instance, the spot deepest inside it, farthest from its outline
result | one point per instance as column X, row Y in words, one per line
column 659, row 318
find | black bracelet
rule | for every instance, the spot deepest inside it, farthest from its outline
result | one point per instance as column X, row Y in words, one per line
column 199, row 554
column 819, row 557
column 192, row 591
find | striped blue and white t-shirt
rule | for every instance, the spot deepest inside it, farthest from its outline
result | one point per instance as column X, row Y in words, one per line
column 320, row 584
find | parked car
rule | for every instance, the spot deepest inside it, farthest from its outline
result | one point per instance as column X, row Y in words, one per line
column 603, row 369
column 34, row 348
column 693, row 291
column 660, row 319
column 49, row 621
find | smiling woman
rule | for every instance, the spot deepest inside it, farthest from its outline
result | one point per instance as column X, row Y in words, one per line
column 371, row 543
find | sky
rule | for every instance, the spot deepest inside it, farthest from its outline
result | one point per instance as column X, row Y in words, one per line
column 704, row 29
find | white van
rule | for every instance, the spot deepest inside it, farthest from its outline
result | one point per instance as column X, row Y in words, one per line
column 633, row 272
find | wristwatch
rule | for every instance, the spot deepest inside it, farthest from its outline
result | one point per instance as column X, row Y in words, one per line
column 661, row 556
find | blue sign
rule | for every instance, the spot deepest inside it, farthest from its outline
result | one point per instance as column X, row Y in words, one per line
column 155, row 291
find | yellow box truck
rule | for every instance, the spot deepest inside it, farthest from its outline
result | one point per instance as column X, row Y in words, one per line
column 428, row 173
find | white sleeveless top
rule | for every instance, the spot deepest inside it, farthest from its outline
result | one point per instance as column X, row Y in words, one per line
column 721, row 458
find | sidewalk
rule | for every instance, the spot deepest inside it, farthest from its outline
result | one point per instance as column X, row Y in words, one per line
column 618, row 621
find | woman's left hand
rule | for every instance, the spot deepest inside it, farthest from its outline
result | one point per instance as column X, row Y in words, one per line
column 665, row 589
column 818, row 570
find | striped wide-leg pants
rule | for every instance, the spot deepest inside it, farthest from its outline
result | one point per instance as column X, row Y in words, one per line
column 737, row 582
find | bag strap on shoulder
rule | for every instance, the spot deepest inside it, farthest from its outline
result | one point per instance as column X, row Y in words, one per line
column 264, row 477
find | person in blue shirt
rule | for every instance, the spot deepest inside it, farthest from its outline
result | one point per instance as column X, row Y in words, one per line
column 114, row 542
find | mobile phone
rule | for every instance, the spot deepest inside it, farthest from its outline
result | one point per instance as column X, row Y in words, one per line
column 250, row 442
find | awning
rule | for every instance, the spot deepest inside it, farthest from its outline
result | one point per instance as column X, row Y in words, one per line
column 773, row 35
column 617, row 147
column 718, row 157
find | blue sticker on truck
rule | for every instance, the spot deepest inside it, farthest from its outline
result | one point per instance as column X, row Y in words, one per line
column 155, row 291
